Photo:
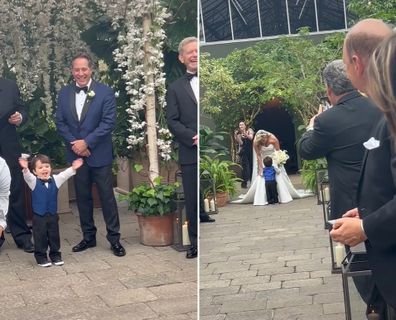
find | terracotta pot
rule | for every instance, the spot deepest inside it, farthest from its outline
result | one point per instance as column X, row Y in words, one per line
column 156, row 231
column 222, row 199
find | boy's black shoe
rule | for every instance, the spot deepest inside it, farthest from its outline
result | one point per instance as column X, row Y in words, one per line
column 57, row 261
column 45, row 263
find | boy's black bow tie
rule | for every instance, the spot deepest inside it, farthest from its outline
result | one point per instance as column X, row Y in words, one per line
column 78, row 89
column 49, row 180
column 191, row 75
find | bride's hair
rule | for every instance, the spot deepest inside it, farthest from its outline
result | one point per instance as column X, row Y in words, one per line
column 261, row 137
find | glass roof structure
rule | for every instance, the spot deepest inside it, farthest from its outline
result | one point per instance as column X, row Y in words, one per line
column 223, row 21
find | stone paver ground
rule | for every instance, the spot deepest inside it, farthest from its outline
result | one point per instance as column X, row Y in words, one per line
column 269, row 262
column 148, row 283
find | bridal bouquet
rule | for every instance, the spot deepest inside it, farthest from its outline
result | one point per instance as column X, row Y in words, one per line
column 280, row 157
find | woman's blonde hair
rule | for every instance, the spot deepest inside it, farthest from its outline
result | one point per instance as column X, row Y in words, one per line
column 382, row 80
column 261, row 137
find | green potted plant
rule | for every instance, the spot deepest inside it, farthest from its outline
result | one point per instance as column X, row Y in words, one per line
column 222, row 178
column 154, row 204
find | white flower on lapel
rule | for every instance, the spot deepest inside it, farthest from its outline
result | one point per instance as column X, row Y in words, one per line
column 371, row 143
column 90, row 94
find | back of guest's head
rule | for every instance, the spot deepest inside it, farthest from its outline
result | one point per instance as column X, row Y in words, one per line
column 267, row 161
column 40, row 157
column 335, row 77
column 382, row 80
column 365, row 36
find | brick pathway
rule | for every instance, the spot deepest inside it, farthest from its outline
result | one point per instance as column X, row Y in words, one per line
column 148, row 283
column 271, row 262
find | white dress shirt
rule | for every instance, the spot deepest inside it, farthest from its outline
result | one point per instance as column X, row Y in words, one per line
column 80, row 100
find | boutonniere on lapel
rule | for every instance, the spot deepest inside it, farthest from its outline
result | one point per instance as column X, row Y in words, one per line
column 371, row 143
column 90, row 94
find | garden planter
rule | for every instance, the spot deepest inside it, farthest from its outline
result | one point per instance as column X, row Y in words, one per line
column 222, row 199
column 156, row 231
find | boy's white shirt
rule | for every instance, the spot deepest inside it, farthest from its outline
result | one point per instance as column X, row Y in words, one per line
column 59, row 178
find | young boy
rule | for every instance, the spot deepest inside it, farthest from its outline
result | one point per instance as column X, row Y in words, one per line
column 269, row 173
column 44, row 202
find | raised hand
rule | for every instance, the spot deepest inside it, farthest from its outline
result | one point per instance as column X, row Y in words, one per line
column 23, row 163
column 77, row 163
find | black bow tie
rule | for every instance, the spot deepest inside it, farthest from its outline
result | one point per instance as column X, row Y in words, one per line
column 78, row 89
column 49, row 180
column 191, row 75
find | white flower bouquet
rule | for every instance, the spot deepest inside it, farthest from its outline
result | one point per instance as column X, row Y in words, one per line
column 280, row 157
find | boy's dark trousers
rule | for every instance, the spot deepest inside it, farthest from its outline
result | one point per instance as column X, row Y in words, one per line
column 272, row 192
column 46, row 234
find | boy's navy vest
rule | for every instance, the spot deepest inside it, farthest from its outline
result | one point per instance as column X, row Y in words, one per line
column 44, row 200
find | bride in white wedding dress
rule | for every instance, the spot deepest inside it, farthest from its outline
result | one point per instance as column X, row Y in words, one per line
column 265, row 144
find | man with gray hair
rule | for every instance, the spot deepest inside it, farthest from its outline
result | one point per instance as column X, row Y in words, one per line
column 182, row 118
column 338, row 134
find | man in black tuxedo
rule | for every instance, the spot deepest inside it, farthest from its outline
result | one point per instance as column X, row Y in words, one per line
column 377, row 185
column 338, row 134
column 182, row 115
column 13, row 114
column 85, row 118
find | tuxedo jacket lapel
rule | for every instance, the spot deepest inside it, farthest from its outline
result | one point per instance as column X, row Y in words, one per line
column 362, row 173
column 72, row 101
column 87, row 102
column 187, row 86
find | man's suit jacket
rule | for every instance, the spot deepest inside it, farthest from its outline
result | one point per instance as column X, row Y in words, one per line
column 182, row 115
column 338, row 135
column 97, row 122
column 377, row 208
column 10, row 102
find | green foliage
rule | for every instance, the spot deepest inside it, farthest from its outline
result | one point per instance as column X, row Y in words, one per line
column 380, row 9
column 218, row 172
column 154, row 199
column 182, row 22
column 308, row 172
column 40, row 136
column 211, row 142
column 238, row 86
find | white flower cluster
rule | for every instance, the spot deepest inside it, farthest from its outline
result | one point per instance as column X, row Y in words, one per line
column 140, row 60
column 280, row 157
column 164, row 143
column 38, row 36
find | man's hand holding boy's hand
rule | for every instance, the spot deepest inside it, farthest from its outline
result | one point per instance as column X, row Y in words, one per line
column 77, row 163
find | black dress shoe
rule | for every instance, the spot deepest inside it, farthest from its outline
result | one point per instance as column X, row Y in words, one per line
column 192, row 252
column 206, row 219
column 84, row 245
column 118, row 249
column 27, row 247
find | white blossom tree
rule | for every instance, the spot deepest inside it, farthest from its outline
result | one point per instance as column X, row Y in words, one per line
column 140, row 59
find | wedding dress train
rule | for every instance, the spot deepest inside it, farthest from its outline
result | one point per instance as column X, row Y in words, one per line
column 257, row 194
